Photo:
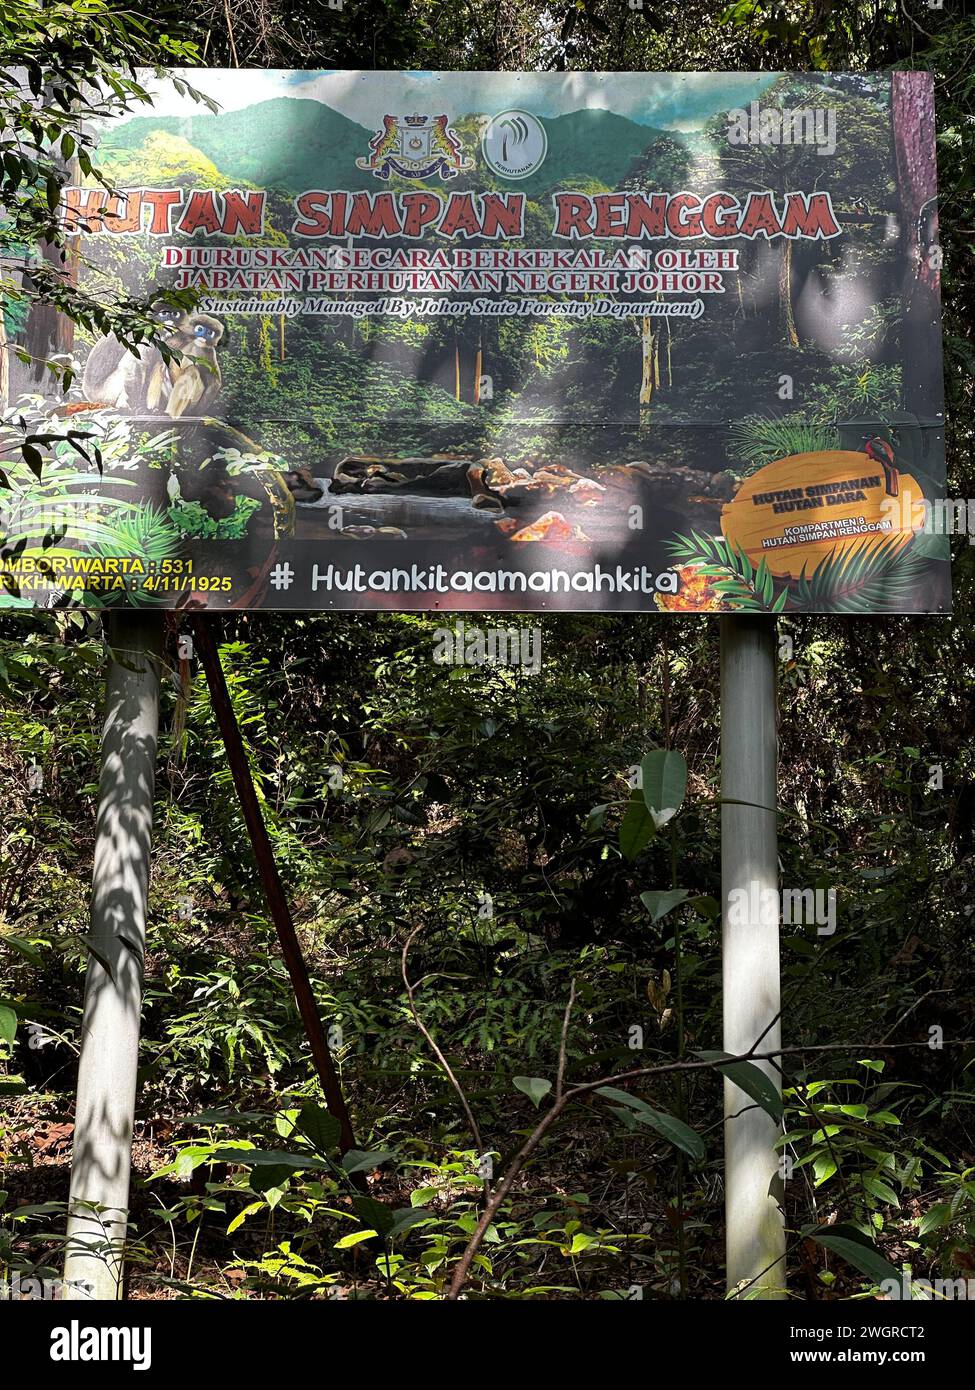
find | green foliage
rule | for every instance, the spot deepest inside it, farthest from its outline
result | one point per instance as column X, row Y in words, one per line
column 193, row 520
column 400, row 795
column 849, row 392
column 78, row 62
column 866, row 578
column 756, row 440
column 735, row 578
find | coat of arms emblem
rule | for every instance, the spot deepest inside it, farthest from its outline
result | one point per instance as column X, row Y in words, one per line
column 415, row 147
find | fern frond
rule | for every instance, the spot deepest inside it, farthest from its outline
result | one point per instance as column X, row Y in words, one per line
column 756, row 440
column 870, row 577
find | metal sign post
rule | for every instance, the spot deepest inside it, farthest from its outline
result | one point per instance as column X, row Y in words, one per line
column 755, row 1229
column 102, row 1153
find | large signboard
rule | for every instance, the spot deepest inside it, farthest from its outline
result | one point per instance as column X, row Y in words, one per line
column 617, row 341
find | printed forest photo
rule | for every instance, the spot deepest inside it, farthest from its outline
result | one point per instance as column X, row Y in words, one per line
column 597, row 412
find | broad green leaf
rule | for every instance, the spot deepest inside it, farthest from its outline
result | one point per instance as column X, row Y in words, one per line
column 373, row 1213
column 259, row 1158
column 580, row 1241
column 321, row 1129
column 673, row 1130
column 637, row 828
column 242, row 1216
column 265, row 1179
column 706, row 905
column 935, row 1218
column 536, row 1088
column 622, row 1097
column 36, row 1209
column 419, row 1195
column 659, row 902
column 285, row 1122
column 358, row 1160
column 750, row 1079
column 824, row 1166
column 355, row 1238
column 664, row 779
column 882, row 1191
column 667, row 1126
column 8, row 1024
column 26, row 948
column 854, row 1247
column 403, row 1220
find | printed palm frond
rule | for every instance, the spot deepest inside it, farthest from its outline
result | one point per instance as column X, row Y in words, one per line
column 49, row 523
column 757, row 440
column 142, row 532
column 735, row 577
column 866, row 578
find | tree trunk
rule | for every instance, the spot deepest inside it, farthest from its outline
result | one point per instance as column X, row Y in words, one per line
column 4, row 360
column 49, row 333
column 912, row 106
column 648, row 348
column 785, row 294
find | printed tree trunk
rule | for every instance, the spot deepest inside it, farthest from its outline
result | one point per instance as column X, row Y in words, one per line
column 468, row 364
column 50, row 333
column 912, row 105
column 4, row 358
column 787, row 318
column 650, row 369
column 650, row 336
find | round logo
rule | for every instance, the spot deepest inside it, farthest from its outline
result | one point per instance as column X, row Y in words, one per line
column 514, row 144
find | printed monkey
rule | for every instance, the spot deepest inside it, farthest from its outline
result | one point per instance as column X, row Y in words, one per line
column 114, row 377
column 195, row 376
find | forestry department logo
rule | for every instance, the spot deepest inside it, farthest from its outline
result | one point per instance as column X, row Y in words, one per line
column 514, row 144
column 416, row 147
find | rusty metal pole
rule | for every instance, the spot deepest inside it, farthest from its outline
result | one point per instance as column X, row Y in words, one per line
column 277, row 902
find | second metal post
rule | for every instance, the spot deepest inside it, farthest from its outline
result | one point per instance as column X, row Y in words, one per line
column 755, row 1232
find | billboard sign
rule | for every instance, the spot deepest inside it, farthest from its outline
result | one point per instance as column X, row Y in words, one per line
column 626, row 341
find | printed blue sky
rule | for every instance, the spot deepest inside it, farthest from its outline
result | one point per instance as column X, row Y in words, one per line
column 675, row 101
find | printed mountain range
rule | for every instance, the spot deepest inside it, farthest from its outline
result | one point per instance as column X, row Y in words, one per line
column 293, row 144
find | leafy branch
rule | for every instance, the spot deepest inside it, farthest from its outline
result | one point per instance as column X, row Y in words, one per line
column 861, row 579
column 66, row 69
column 736, row 579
